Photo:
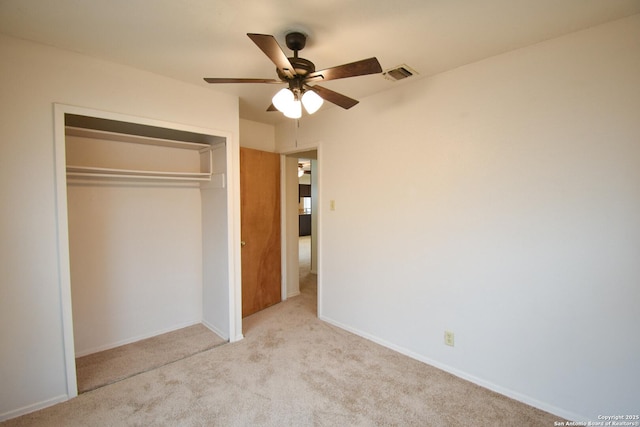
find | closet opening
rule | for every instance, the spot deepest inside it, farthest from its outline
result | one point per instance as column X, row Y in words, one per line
column 144, row 208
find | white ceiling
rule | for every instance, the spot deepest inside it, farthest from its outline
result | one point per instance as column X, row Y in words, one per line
column 191, row 39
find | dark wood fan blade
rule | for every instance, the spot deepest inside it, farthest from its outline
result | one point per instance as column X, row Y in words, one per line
column 333, row 97
column 271, row 48
column 358, row 68
column 223, row 80
column 272, row 108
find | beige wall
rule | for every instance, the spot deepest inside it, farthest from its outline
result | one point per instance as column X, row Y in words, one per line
column 499, row 201
column 259, row 136
column 33, row 78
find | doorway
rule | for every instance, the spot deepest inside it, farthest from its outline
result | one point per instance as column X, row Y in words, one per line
column 301, row 222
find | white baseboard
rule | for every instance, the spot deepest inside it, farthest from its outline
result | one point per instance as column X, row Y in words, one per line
column 561, row 413
column 33, row 407
column 135, row 339
column 293, row 294
column 215, row 330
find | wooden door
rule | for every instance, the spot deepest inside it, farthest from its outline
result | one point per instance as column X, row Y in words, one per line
column 260, row 228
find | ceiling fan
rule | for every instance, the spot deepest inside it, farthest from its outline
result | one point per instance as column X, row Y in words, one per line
column 298, row 72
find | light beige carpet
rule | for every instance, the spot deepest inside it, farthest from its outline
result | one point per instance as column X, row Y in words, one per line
column 106, row 367
column 292, row 370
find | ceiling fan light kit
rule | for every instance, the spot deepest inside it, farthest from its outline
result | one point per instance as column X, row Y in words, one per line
column 298, row 72
column 311, row 101
column 286, row 101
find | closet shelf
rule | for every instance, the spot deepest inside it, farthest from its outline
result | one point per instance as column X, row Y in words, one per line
column 96, row 172
column 135, row 139
column 97, row 154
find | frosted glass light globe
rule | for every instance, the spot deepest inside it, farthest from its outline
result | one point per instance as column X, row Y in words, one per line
column 294, row 110
column 311, row 101
column 283, row 99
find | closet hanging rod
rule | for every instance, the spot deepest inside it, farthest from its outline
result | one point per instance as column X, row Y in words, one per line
column 97, row 172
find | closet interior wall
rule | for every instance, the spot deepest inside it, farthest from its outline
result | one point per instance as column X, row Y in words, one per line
column 143, row 215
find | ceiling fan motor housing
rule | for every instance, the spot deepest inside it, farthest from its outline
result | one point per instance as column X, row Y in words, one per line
column 296, row 41
column 301, row 66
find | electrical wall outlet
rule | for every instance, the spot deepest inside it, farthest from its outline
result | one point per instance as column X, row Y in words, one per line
column 448, row 338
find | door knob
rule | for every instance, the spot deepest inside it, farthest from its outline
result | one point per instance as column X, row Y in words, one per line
column 242, row 243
